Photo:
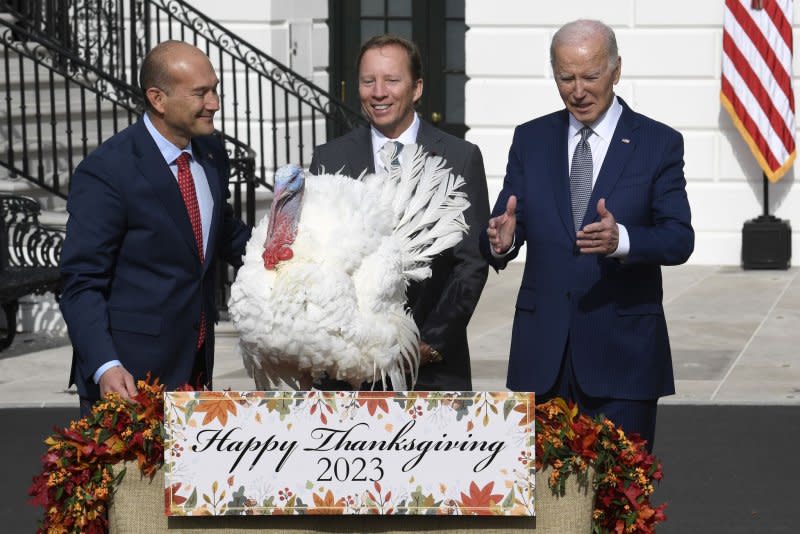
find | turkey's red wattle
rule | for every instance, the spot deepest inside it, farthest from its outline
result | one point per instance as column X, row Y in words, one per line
column 277, row 248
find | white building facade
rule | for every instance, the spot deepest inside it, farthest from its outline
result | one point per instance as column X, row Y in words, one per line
column 671, row 60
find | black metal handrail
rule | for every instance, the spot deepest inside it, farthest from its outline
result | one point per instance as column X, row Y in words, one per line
column 29, row 243
column 264, row 103
column 283, row 130
column 71, row 75
column 82, row 78
column 48, row 155
column 57, row 108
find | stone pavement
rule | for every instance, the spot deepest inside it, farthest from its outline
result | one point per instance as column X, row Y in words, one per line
column 735, row 337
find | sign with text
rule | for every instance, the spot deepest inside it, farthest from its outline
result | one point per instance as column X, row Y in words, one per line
column 349, row 452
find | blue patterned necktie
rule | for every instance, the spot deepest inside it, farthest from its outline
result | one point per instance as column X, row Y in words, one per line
column 398, row 147
column 580, row 177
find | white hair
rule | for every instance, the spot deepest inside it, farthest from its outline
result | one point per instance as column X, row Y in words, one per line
column 578, row 31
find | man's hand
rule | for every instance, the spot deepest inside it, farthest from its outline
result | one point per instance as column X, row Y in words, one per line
column 117, row 380
column 600, row 237
column 427, row 355
column 501, row 228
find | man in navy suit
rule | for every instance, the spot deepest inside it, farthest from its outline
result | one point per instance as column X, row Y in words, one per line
column 389, row 85
column 148, row 219
column 597, row 193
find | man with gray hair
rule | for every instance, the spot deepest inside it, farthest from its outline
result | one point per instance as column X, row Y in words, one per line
column 597, row 193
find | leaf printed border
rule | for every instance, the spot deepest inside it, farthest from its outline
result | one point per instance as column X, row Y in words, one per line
column 513, row 494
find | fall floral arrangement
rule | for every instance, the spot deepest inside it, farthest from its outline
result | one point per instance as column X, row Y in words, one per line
column 77, row 480
column 570, row 442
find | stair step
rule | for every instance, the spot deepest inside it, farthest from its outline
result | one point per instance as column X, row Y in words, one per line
column 105, row 130
column 58, row 111
column 17, row 186
column 54, row 206
column 54, row 218
column 28, row 65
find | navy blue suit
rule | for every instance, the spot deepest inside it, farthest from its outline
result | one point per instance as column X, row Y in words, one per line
column 609, row 311
column 133, row 282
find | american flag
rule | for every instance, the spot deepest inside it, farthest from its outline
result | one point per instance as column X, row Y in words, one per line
column 757, row 79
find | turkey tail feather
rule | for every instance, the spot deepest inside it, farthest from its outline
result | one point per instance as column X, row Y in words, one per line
column 428, row 207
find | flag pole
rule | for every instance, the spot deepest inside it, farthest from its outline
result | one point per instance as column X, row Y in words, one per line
column 766, row 239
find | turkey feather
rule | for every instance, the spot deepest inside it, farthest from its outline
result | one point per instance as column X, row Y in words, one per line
column 329, row 300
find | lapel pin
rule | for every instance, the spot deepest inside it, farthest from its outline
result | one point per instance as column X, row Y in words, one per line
column 626, row 140
column 210, row 155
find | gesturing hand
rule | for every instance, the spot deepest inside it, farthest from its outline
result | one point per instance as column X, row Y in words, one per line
column 600, row 237
column 501, row 228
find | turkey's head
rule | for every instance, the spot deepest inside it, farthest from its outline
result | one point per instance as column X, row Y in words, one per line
column 284, row 215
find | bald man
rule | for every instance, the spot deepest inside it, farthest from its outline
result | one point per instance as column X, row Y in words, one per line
column 148, row 222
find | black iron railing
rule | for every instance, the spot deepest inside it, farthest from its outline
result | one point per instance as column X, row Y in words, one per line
column 277, row 112
column 70, row 81
column 273, row 109
column 82, row 106
column 56, row 108
column 65, row 107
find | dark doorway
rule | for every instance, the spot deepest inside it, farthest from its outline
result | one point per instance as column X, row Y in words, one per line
column 437, row 26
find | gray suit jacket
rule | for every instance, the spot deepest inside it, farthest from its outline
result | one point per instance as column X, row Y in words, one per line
column 443, row 304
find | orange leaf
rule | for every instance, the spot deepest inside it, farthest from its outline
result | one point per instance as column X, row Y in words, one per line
column 480, row 499
column 216, row 409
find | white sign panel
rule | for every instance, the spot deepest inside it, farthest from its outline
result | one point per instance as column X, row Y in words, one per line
column 230, row 453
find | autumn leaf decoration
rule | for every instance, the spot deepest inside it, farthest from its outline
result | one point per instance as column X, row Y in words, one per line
column 480, row 500
column 374, row 400
column 327, row 505
column 216, row 405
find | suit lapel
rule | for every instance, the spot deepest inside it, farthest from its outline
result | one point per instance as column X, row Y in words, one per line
column 430, row 138
column 155, row 170
column 359, row 153
column 620, row 149
column 206, row 159
column 560, row 172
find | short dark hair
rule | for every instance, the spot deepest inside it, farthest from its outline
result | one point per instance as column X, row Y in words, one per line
column 388, row 39
column 155, row 69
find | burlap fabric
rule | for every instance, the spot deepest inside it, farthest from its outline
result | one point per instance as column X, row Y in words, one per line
column 138, row 507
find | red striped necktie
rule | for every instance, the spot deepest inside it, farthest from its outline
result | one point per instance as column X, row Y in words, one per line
column 186, row 185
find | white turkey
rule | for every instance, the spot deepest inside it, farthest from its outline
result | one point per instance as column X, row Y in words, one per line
column 322, row 290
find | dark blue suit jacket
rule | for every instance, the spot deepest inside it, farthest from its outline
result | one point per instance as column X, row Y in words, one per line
column 610, row 310
column 133, row 282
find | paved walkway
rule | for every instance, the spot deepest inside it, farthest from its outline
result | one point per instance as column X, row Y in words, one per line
column 735, row 339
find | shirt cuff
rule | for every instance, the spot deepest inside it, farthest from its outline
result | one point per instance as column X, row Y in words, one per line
column 103, row 368
column 507, row 252
column 624, row 244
